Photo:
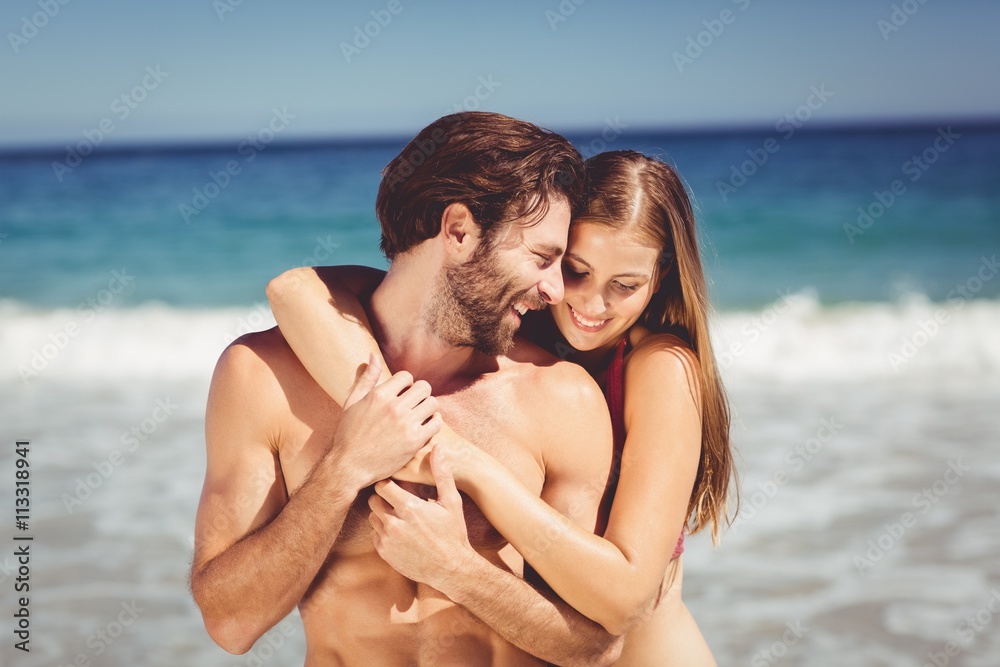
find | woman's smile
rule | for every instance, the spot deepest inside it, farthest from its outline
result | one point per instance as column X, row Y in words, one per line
column 587, row 324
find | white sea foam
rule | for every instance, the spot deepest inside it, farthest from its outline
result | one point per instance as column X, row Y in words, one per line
column 794, row 339
column 152, row 341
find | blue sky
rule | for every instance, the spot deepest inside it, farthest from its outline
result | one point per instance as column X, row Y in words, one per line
column 227, row 64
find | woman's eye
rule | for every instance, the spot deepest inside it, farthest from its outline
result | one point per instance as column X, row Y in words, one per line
column 626, row 288
column 572, row 273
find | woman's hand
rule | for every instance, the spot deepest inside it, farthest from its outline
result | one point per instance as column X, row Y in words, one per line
column 383, row 426
column 423, row 540
column 418, row 469
column 458, row 454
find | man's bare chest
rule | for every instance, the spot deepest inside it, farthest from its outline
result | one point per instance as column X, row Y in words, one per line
column 484, row 419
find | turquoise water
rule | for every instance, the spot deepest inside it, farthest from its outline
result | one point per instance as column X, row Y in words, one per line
column 781, row 229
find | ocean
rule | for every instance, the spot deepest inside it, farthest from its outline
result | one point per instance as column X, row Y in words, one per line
column 855, row 284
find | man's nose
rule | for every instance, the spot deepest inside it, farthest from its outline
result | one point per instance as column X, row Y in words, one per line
column 551, row 284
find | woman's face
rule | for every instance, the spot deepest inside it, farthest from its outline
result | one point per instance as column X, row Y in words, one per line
column 609, row 279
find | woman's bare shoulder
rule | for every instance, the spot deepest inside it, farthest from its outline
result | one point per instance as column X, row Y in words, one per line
column 648, row 342
column 661, row 360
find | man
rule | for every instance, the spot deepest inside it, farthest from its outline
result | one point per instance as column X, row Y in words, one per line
column 475, row 214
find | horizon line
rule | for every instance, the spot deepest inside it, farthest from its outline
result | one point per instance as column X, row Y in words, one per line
column 392, row 138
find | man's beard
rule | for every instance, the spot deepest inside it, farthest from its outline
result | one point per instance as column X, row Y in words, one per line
column 472, row 302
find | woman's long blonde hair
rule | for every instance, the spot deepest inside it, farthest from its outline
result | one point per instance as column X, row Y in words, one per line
column 631, row 191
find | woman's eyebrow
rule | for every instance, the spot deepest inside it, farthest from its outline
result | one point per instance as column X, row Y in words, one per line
column 577, row 258
column 628, row 274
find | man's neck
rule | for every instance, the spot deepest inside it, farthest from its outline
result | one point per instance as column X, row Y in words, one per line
column 396, row 312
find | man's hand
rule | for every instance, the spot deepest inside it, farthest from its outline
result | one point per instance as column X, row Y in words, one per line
column 383, row 426
column 424, row 540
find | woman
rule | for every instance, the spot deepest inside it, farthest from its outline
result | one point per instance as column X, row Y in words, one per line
column 635, row 316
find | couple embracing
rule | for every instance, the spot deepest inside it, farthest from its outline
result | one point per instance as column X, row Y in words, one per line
column 490, row 453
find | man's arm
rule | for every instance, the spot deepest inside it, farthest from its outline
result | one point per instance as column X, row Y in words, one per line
column 533, row 618
column 256, row 551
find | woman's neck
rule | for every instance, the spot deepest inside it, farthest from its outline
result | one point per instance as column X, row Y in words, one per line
column 596, row 361
column 546, row 335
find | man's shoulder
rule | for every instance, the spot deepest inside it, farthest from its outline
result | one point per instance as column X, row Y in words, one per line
column 557, row 381
column 255, row 352
column 256, row 363
column 564, row 412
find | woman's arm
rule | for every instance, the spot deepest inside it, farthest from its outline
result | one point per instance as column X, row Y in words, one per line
column 610, row 579
column 318, row 311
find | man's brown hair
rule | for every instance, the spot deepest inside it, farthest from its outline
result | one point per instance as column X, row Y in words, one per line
column 499, row 167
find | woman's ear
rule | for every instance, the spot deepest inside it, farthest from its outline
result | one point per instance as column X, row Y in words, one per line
column 459, row 232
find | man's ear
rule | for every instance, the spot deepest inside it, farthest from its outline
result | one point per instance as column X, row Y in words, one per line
column 459, row 232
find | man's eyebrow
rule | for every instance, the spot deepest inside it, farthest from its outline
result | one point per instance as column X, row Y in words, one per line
column 551, row 249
